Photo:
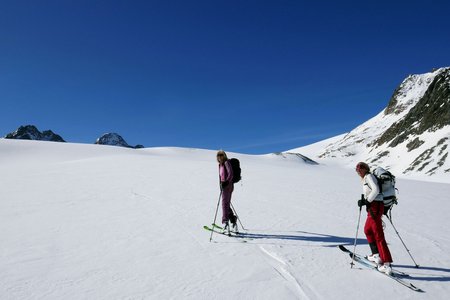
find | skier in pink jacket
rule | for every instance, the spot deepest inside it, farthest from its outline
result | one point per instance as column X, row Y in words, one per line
column 227, row 187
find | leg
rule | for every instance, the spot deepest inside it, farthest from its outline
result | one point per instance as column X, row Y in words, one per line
column 227, row 213
column 368, row 231
column 380, row 240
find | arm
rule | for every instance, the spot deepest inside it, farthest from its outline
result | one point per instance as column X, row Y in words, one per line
column 373, row 185
column 229, row 172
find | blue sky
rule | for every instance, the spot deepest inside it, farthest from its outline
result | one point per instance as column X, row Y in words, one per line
column 245, row 76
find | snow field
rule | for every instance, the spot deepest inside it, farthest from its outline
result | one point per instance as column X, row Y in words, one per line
column 99, row 222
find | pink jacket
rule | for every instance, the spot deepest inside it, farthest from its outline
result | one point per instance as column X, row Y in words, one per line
column 226, row 172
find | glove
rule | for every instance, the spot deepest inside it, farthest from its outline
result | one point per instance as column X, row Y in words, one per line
column 363, row 202
column 223, row 184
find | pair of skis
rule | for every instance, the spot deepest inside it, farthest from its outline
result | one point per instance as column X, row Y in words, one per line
column 218, row 229
column 395, row 275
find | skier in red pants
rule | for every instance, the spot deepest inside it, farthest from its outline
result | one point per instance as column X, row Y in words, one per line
column 374, row 226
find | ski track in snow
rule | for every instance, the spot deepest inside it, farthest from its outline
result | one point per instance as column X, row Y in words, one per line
column 302, row 288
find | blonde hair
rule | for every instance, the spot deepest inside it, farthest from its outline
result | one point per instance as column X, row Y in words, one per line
column 221, row 152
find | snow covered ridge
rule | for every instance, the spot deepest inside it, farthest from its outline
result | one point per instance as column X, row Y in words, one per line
column 411, row 137
column 294, row 157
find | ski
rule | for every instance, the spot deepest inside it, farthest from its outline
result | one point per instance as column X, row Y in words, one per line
column 217, row 229
column 232, row 233
column 396, row 275
column 216, row 226
column 369, row 263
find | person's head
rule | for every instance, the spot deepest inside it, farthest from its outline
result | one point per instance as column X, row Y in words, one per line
column 362, row 169
column 221, row 156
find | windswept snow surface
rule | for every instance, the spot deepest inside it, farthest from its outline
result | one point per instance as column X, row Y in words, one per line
column 98, row 222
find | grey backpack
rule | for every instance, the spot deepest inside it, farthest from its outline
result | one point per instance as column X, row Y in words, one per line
column 386, row 183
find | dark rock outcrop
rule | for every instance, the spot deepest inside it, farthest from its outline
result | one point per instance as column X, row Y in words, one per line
column 30, row 132
column 114, row 139
column 431, row 113
column 411, row 136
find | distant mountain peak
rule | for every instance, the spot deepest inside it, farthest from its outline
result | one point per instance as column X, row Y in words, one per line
column 30, row 132
column 114, row 139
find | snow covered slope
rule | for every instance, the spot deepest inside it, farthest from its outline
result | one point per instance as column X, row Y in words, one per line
column 97, row 222
column 411, row 137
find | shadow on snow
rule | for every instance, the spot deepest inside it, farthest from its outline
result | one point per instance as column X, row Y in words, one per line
column 307, row 236
column 426, row 277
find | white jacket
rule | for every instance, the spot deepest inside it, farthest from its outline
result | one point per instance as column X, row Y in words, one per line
column 371, row 190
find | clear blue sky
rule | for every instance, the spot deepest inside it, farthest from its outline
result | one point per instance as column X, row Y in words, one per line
column 245, row 76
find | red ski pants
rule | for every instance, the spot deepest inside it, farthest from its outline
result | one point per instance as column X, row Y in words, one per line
column 374, row 230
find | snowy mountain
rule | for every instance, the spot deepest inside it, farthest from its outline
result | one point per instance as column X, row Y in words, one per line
column 411, row 137
column 124, row 224
column 30, row 132
column 114, row 139
column 295, row 157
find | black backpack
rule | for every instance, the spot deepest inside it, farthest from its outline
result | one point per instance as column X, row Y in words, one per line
column 236, row 166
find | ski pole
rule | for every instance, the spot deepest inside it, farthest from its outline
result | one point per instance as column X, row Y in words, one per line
column 403, row 242
column 237, row 217
column 356, row 236
column 215, row 216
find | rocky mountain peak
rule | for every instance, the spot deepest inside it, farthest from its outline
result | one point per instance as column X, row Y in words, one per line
column 114, row 139
column 411, row 136
column 411, row 90
column 429, row 113
column 30, row 132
